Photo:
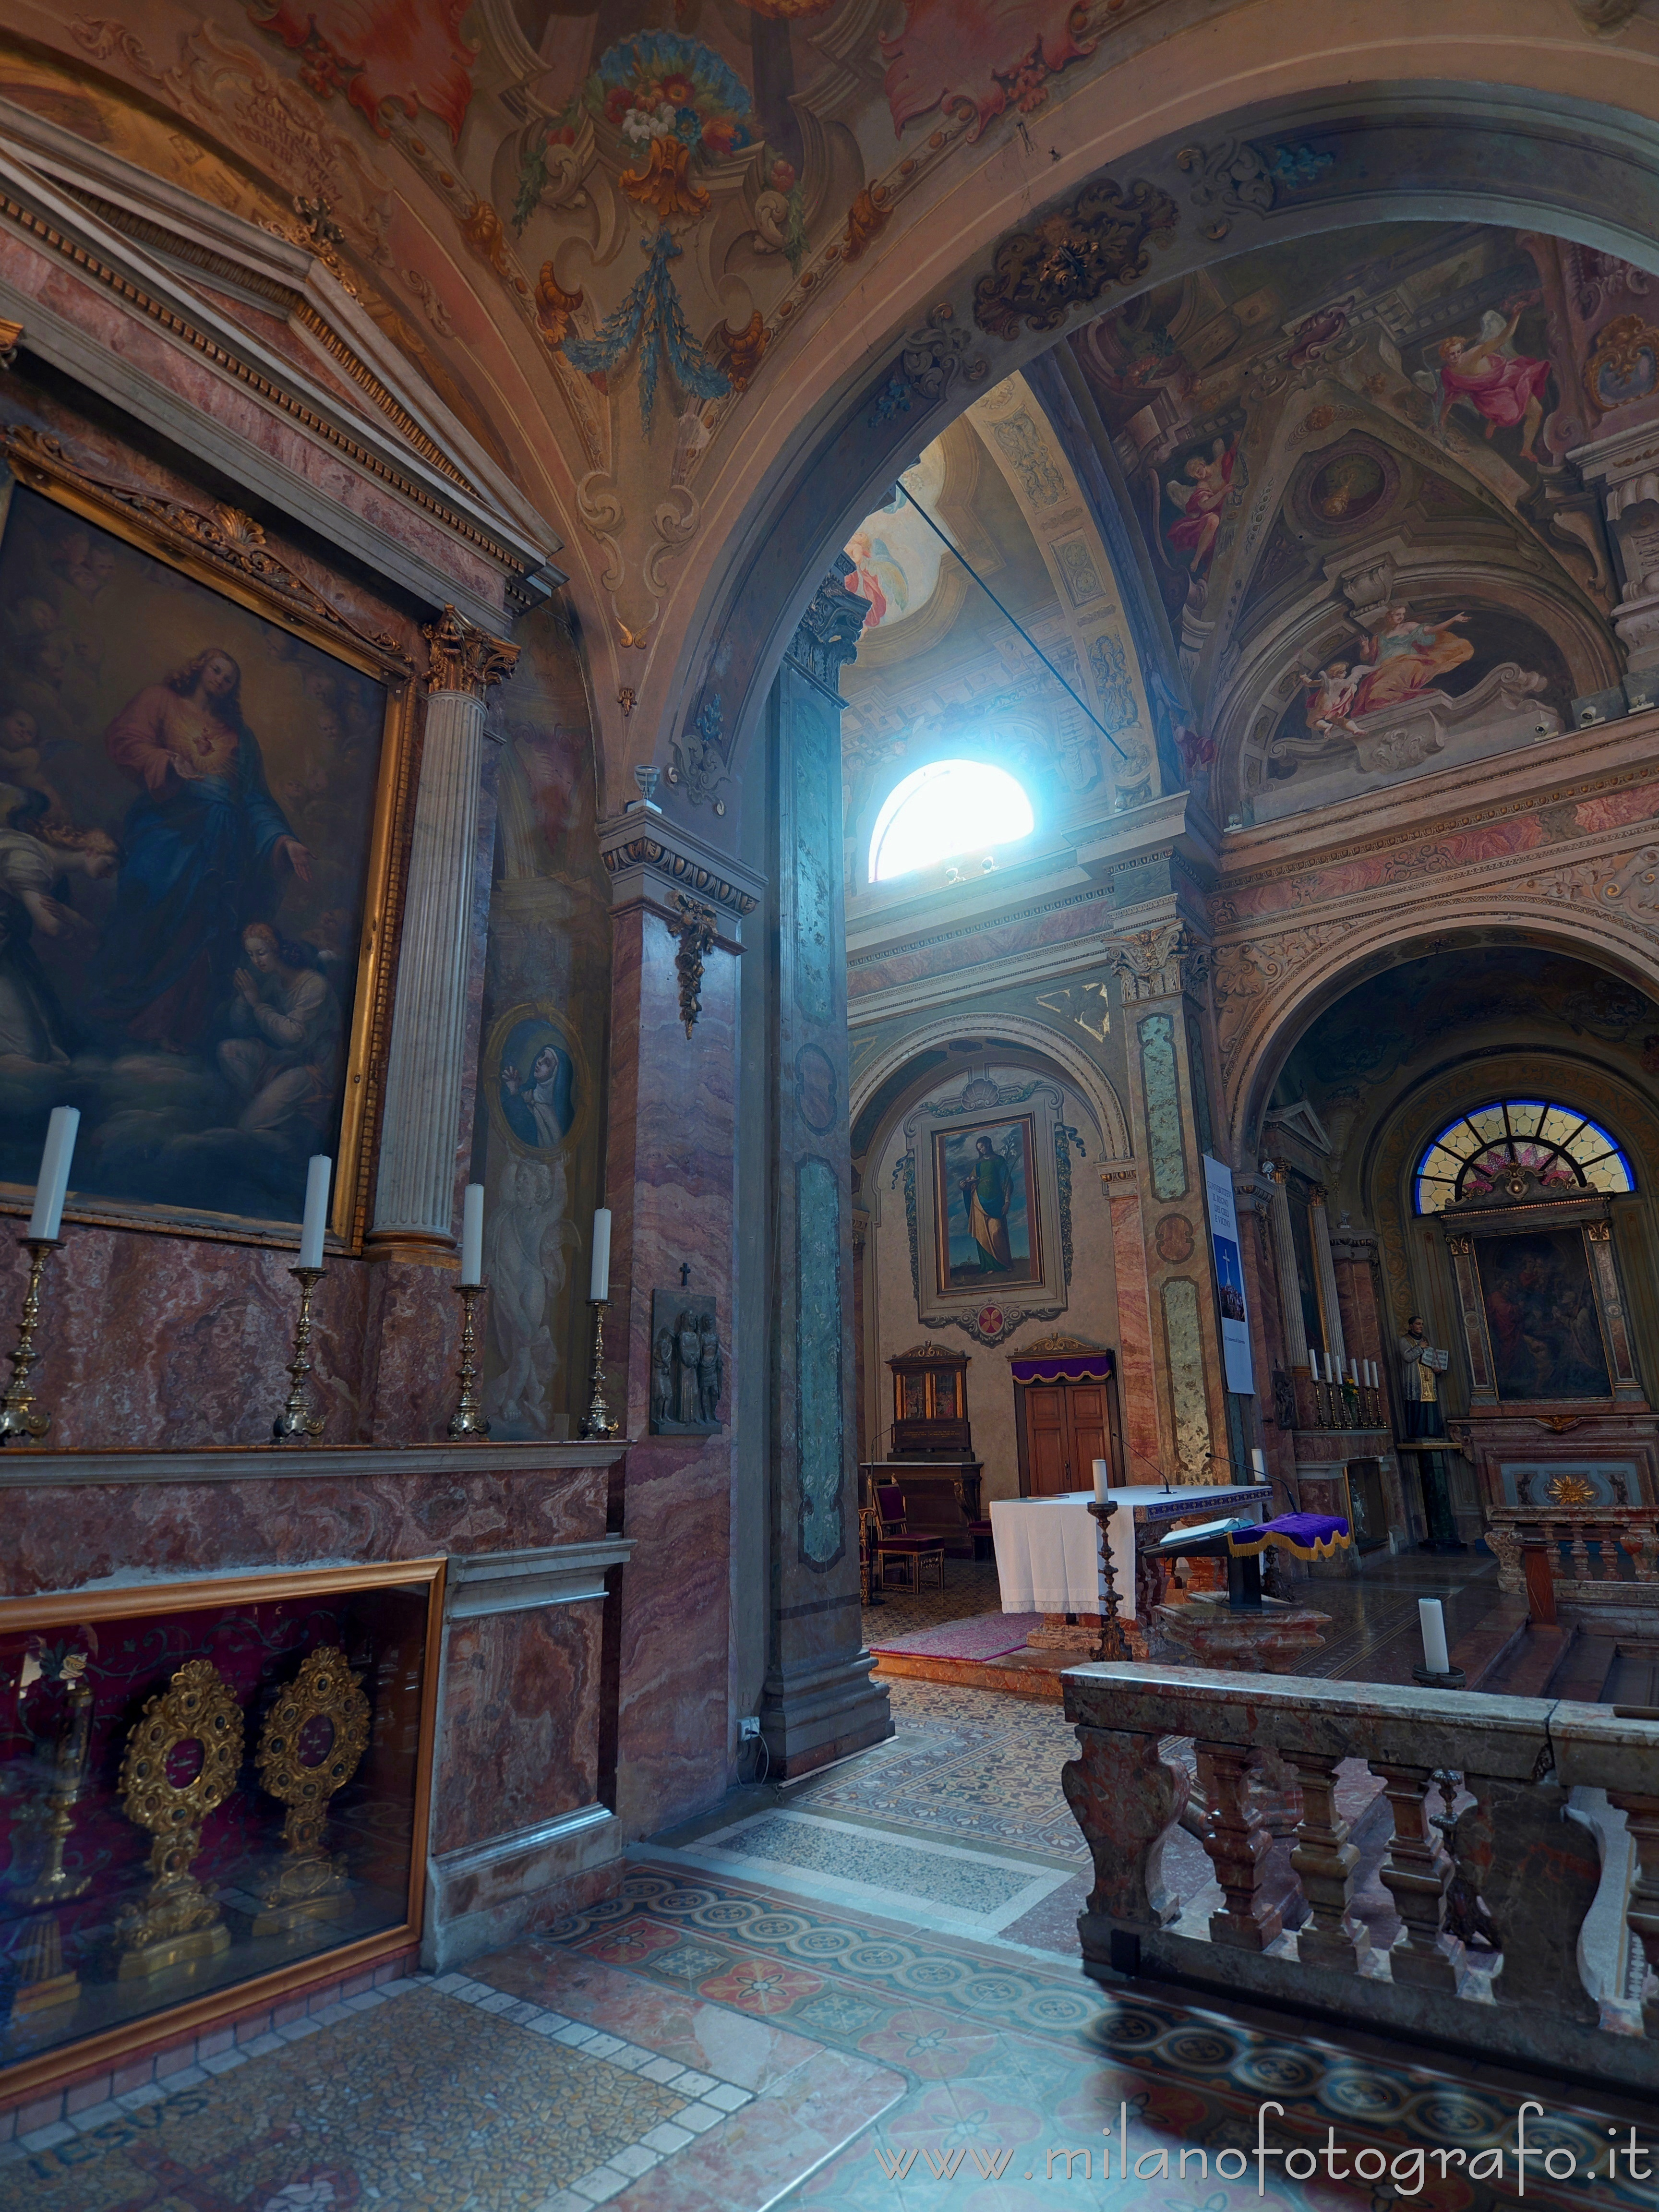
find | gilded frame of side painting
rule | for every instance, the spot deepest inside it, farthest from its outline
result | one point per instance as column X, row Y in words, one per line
column 225, row 551
column 89, row 1624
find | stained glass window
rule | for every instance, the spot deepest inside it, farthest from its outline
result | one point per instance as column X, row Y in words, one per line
column 945, row 809
column 1564, row 1149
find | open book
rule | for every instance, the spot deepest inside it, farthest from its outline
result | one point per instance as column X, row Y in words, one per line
column 1440, row 1361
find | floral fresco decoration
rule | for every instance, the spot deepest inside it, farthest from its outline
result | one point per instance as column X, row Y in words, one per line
column 678, row 107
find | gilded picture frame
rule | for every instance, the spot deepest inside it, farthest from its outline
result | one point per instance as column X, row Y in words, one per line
column 60, row 1617
column 998, row 1151
column 225, row 552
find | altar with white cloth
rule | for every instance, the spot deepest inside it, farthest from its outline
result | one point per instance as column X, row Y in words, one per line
column 1048, row 1549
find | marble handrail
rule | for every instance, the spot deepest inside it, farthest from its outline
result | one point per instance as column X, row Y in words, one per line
column 1285, row 1928
column 1633, row 1529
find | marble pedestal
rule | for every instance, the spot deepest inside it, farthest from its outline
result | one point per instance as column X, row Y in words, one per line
column 1206, row 1632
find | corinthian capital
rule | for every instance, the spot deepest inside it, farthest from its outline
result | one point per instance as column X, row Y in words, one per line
column 463, row 657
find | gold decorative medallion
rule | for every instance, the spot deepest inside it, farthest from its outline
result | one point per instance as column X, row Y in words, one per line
column 1570, row 1490
column 179, row 1920
column 311, row 1883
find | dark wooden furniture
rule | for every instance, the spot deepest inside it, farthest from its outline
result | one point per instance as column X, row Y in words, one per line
column 894, row 1543
column 930, row 1403
column 942, row 1497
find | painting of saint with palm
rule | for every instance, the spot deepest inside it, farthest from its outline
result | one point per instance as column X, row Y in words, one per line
column 983, row 1185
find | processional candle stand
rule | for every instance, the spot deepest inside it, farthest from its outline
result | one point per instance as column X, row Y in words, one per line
column 468, row 1419
column 22, row 1421
column 597, row 1423
column 297, row 1422
column 1111, row 1644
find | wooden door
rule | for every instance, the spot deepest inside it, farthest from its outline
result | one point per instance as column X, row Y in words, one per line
column 1048, row 1440
column 1064, row 1431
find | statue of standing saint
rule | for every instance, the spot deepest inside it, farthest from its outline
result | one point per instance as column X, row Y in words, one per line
column 1421, row 1365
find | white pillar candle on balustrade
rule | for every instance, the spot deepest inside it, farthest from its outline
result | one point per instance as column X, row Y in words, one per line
column 414, row 1193
column 1436, row 1656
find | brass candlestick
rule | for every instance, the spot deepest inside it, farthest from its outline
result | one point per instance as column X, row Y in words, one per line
column 44, row 1982
column 467, row 1419
column 1112, row 1643
column 20, row 1419
column 596, row 1421
column 296, row 1418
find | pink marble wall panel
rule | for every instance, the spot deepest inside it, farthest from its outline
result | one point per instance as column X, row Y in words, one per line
column 64, row 1540
column 669, row 1184
column 1137, row 1382
column 520, row 1736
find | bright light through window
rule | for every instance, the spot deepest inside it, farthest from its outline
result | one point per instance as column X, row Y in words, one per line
column 947, row 808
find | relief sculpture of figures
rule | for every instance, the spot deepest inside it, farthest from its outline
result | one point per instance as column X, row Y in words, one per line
column 687, row 1363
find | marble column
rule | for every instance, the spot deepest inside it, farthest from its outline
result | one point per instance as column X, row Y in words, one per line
column 1162, row 973
column 1319, row 1228
column 420, row 1120
column 1284, row 1266
column 817, row 1702
column 670, row 1182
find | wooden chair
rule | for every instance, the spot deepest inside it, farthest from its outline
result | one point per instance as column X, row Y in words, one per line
column 894, row 1543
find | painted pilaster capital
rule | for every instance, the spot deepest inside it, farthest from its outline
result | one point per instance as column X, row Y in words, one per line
column 1157, row 963
column 464, row 657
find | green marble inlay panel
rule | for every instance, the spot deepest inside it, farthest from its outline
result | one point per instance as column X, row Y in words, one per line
column 1163, row 1092
column 818, row 1409
column 1186, row 1356
column 817, row 850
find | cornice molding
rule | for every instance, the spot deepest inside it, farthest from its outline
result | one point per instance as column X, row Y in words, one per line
column 647, row 856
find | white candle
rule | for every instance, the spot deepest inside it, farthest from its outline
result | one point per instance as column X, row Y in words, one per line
column 317, row 1173
column 1258, row 1462
column 53, row 1180
column 1328, row 1376
column 599, row 1288
column 1102, row 1483
column 1436, row 1657
column 1371, row 1375
column 472, row 1234
column 1353, row 1369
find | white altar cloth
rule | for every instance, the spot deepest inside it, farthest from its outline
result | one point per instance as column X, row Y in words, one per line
column 1048, row 1549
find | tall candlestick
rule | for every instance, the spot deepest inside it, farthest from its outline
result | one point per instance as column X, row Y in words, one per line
column 319, row 1172
column 472, row 1236
column 1436, row 1657
column 1103, row 1480
column 53, row 1180
column 599, row 1286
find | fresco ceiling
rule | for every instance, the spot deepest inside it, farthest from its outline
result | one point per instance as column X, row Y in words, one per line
column 586, row 232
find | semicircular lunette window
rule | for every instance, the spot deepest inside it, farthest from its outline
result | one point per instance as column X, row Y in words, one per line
column 947, row 808
column 1565, row 1150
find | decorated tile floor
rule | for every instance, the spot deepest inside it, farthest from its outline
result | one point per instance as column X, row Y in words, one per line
column 732, row 2041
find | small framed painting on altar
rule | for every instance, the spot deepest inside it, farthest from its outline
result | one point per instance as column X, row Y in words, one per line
column 207, row 1790
column 204, row 770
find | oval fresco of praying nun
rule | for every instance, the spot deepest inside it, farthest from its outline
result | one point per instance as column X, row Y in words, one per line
column 533, row 1083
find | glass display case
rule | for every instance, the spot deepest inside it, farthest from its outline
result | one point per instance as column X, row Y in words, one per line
column 203, row 1788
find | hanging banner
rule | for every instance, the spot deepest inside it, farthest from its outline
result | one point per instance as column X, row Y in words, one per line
column 1229, row 1277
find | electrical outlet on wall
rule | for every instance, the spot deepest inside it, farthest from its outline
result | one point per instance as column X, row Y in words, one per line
column 748, row 1727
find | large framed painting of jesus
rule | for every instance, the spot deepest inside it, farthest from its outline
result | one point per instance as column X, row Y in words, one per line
column 202, row 765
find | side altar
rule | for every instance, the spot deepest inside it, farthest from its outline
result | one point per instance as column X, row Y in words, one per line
column 933, row 1457
column 272, row 1720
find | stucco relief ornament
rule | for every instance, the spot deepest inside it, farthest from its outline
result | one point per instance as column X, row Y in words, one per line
column 699, row 766
column 1102, row 237
column 1154, row 963
column 696, row 930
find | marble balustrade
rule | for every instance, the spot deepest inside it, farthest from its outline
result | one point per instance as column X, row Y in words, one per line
column 1619, row 1577
column 1502, row 1860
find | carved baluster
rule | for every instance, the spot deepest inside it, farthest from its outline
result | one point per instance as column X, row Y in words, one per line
column 1642, row 1913
column 1646, row 1542
column 1554, row 1537
column 1611, row 1533
column 1506, row 1543
column 1127, row 1801
column 1237, row 1839
column 1580, row 1572
column 1417, row 1874
column 1324, row 1861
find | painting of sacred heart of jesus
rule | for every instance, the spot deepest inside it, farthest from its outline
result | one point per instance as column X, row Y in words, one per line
column 985, row 1203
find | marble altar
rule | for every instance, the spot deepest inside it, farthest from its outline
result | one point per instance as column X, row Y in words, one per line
column 1048, row 1553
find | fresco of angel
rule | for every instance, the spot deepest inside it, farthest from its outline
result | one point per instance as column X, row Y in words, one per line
column 1504, row 387
column 1200, row 499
